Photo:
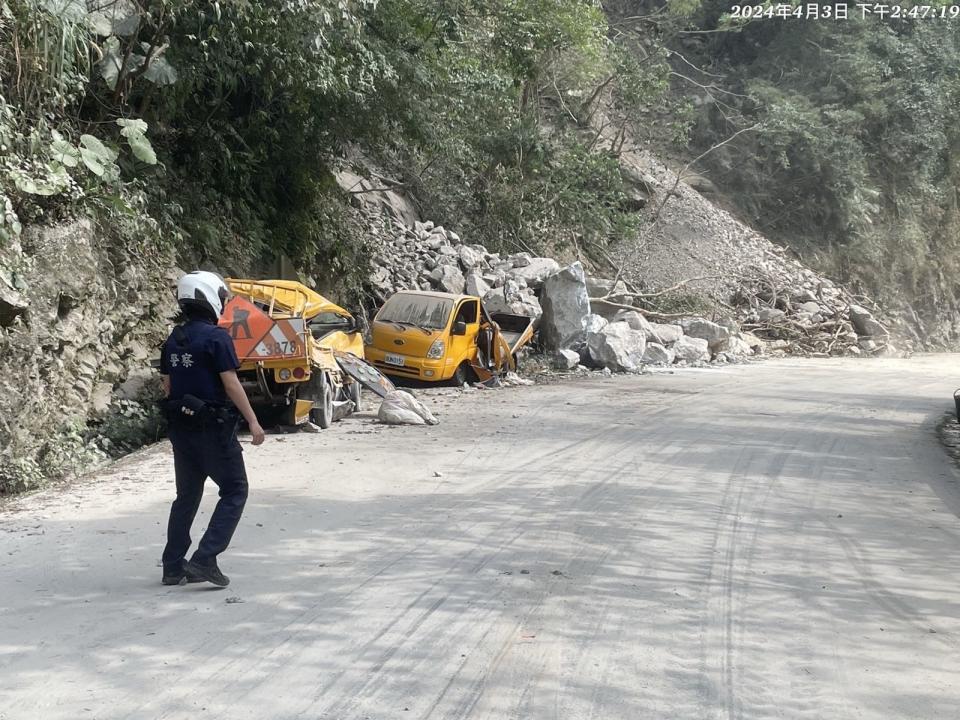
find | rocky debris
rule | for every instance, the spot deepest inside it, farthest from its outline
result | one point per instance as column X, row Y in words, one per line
column 694, row 253
column 402, row 408
column 448, row 278
column 429, row 257
column 807, row 315
column 565, row 306
column 476, row 285
column 511, row 379
column 566, row 359
column 865, row 324
column 594, row 323
column 657, row 354
column 697, row 327
column 733, row 345
column 534, row 271
column 607, row 295
column 692, row 350
column 665, row 334
column 617, row 347
column 636, row 321
column 513, row 300
column 765, row 303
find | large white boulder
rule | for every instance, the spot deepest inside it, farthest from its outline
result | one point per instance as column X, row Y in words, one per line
column 507, row 299
column 535, row 271
column 476, row 285
column 636, row 321
column 594, row 323
column 657, row 354
column 469, row 257
column 713, row 333
column 692, row 349
column 566, row 359
column 448, row 278
column 617, row 347
column 565, row 306
column 665, row 334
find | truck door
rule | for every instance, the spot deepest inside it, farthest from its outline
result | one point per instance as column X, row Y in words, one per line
column 464, row 347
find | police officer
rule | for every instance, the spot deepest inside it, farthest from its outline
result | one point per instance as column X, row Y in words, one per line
column 198, row 365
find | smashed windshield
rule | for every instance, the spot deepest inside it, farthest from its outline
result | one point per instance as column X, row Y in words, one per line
column 420, row 310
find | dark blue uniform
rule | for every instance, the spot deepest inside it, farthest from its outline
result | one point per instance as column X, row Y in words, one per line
column 204, row 444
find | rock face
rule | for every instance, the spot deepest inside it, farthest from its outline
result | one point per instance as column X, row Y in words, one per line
column 617, row 347
column 565, row 306
column 86, row 315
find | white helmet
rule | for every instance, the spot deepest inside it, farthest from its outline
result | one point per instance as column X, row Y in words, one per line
column 203, row 289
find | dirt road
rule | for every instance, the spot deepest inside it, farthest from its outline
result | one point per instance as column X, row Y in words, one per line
column 777, row 541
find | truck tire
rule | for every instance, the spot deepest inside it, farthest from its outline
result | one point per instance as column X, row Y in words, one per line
column 322, row 412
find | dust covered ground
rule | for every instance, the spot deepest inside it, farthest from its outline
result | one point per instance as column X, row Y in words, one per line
column 771, row 541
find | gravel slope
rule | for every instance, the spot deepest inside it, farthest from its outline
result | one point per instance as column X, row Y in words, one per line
column 774, row 541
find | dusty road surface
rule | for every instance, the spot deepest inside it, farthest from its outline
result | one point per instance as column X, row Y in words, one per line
column 775, row 541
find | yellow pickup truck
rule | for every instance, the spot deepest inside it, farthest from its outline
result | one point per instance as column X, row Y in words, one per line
column 438, row 337
column 292, row 343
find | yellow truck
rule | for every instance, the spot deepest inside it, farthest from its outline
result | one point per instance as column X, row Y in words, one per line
column 438, row 337
column 293, row 345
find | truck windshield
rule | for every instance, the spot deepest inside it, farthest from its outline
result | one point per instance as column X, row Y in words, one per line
column 420, row 310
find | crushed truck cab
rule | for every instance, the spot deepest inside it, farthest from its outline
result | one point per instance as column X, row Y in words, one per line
column 287, row 339
column 439, row 337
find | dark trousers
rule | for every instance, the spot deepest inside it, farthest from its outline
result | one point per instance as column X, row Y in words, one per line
column 210, row 450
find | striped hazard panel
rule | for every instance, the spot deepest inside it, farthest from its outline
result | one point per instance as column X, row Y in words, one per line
column 258, row 337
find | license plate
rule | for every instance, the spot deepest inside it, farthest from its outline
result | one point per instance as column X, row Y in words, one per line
column 398, row 360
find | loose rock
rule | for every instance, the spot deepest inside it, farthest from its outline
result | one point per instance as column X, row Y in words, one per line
column 565, row 307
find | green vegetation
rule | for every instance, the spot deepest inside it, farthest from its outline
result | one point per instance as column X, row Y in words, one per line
column 218, row 125
column 221, row 123
column 854, row 156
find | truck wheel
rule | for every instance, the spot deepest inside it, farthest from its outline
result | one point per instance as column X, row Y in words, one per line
column 322, row 412
column 355, row 395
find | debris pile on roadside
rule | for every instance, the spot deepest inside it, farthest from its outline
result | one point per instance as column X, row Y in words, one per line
column 809, row 315
column 606, row 324
column 428, row 257
column 402, row 408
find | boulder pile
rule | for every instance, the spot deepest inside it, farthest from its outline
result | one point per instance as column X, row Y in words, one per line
column 802, row 313
column 429, row 257
column 600, row 323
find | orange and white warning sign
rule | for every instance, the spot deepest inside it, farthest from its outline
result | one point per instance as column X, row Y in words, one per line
column 258, row 337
